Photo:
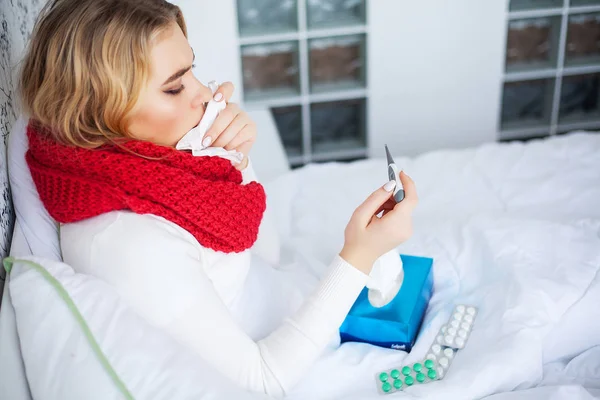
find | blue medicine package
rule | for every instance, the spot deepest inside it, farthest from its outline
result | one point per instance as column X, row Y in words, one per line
column 396, row 324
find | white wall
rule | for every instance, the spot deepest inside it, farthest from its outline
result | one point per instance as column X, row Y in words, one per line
column 435, row 73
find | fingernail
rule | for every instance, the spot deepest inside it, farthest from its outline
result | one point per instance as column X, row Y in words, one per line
column 388, row 187
column 207, row 141
column 218, row 97
column 213, row 86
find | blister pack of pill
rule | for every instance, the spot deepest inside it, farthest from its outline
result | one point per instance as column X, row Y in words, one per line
column 442, row 356
column 456, row 332
column 401, row 378
column 451, row 337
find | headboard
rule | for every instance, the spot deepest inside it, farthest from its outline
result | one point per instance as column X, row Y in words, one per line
column 17, row 18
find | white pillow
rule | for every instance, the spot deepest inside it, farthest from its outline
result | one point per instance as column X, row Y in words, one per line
column 39, row 228
column 148, row 362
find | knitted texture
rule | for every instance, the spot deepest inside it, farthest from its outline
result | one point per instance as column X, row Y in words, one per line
column 203, row 195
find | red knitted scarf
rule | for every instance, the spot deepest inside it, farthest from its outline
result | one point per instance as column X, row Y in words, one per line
column 203, row 195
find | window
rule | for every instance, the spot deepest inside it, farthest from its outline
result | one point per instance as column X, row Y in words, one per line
column 306, row 61
column 552, row 68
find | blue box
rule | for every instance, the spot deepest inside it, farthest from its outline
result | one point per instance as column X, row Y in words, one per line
column 396, row 324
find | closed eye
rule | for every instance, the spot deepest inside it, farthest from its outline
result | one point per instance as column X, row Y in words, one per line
column 175, row 92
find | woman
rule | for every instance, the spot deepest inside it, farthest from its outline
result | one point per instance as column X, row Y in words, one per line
column 109, row 90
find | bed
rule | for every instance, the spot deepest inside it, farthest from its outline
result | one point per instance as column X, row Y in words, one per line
column 514, row 228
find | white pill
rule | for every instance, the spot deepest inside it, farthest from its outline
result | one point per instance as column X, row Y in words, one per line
column 449, row 353
column 436, row 348
column 457, row 316
column 443, row 329
column 455, row 324
column 440, row 339
column 440, row 372
column 466, row 326
column 460, row 309
column 469, row 318
column 449, row 339
column 460, row 342
column 444, row 362
column 471, row 310
column 452, row 331
column 431, row 356
column 462, row 333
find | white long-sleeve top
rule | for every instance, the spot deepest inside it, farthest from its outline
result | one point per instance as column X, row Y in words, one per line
column 178, row 285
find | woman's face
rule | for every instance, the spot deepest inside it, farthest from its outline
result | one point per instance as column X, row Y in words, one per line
column 172, row 102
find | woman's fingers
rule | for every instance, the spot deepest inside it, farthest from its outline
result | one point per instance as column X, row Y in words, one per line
column 245, row 147
column 410, row 193
column 220, row 125
column 367, row 237
column 365, row 212
column 388, row 205
column 403, row 209
column 225, row 91
column 245, row 132
column 409, row 202
column 233, row 129
column 231, row 132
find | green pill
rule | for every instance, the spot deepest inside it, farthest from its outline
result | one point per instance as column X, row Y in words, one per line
column 432, row 374
column 417, row 367
column 397, row 383
column 386, row 387
column 383, row 376
column 395, row 373
column 406, row 371
column 420, row 377
column 429, row 364
column 409, row 380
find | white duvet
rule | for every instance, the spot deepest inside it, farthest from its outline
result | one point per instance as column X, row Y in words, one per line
column 513, row 229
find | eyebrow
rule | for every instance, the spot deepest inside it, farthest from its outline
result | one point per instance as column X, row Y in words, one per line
column 179, row 73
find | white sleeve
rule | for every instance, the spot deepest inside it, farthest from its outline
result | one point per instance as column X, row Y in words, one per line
column 248, row 173
column 160, row 273
column 267, row 245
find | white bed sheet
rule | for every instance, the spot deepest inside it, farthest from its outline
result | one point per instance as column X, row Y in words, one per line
column 513, row 228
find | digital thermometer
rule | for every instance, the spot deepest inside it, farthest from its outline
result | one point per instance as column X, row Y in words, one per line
column 394, row 175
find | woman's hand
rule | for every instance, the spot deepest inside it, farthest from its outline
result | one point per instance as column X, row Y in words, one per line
column 367, row 236
column 233, row 129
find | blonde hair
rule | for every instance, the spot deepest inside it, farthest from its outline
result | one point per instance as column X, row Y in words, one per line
column 87, row 63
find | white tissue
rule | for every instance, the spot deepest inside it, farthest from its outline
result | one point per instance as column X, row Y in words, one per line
column 231, row 155
column 385, row 279
column 193, row 139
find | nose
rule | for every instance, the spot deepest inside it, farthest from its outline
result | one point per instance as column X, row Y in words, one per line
column 202, row 94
